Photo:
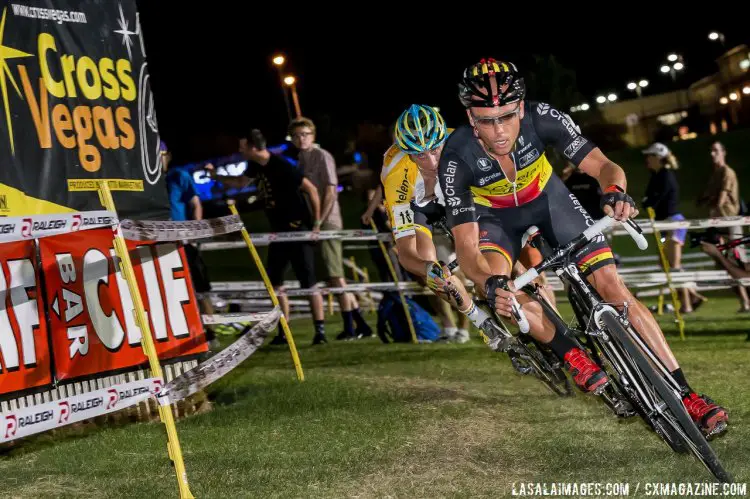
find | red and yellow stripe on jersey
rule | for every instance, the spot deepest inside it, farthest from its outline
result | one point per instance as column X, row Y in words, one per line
column 595, row 257
column 486, row 246
column 530, row 183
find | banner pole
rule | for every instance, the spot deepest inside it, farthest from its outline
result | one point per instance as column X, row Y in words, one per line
column 271, row 292
column 665, row 266
column 147, row 341
column 392, row 270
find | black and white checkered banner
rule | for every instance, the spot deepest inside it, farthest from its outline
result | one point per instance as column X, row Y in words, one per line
column 220, row 364
column 39, row 418
column 36, row 226
column 148, row 230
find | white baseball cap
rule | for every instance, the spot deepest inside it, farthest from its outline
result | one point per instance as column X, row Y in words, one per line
column 657, row 149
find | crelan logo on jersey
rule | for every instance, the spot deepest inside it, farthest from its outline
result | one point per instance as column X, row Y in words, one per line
column 542, row 109
column 454, row 201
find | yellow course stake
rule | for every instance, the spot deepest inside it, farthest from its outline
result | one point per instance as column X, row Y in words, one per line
column 147, row 341
column 665, row 266
column 272, row 293
column 395, row 281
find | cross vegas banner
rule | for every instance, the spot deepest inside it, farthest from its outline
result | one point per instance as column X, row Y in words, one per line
column 76, row 104
column 87, row 300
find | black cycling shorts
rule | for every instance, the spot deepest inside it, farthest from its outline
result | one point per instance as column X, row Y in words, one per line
column 302, row 257
column 558, row 215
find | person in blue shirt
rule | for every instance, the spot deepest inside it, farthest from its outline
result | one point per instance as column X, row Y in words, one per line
column 184, row 205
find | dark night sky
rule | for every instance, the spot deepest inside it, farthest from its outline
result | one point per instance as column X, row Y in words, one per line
column 357, row 72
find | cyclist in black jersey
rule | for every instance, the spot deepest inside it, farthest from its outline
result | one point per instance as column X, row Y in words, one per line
column 497, row 182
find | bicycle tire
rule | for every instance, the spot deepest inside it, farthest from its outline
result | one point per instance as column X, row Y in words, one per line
column 553, row 378
column 694, row 438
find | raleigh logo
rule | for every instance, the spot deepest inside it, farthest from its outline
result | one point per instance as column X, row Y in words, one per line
column 11, row 425
column 114, row 397
column 26, row 227
column 7, row 228
column 76, row 223
column 64, row 412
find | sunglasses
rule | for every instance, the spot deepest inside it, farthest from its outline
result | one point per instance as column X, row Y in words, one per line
column 492, row 121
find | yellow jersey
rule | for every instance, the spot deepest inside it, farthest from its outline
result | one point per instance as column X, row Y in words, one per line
column 402, row 184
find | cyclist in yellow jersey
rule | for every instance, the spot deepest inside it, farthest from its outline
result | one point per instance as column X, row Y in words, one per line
column 409, row 178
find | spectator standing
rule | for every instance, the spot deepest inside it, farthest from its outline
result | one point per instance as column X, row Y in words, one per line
column 722, row 198
column 663, row 195
column 319, row 167
column 281, row 186
column 184, row 204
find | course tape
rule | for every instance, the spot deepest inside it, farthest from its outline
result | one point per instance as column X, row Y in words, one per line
column 36, row 226
column 271, row 237
column 705, row 223
column 251, row 289
column 217, row 366
column 212, row 319
column 148, row 230
column 50, row 415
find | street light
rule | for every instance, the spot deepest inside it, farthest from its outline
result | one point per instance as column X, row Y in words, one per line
column 733, row 96
column 677, row 63
column 746, row 90
column 724, row 101
column 638, row 87
column 290, row 81
column 278, row 61
column 715, row 35
column 612, row 97
column 601, row 99
column 585, row 107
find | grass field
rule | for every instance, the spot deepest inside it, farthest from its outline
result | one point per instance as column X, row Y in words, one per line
column 375, row 420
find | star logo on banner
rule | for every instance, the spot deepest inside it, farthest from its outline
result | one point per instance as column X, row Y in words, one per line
column 125, row 32
column 5, row 54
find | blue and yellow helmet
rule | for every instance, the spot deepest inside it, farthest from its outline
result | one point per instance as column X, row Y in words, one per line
column 420, row 129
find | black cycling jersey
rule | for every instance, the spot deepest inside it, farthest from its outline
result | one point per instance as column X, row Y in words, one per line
column 469, row 176
column 476, row 189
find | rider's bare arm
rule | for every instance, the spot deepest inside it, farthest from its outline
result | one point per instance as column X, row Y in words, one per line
column 470, row 259
column 415, row 252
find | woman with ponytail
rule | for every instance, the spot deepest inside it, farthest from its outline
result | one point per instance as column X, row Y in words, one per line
column 663, row 195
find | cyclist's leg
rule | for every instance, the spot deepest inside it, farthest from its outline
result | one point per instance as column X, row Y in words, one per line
column 500, row 245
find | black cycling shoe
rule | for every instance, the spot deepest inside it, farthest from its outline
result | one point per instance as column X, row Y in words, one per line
column 363, row 331
column 279, row 339
column 346, row 336
column 319, row 339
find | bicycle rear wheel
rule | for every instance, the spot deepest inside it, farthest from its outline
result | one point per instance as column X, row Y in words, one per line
column 674, row 412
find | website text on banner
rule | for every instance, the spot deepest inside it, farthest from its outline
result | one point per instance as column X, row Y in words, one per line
column 24, row 350
column 78, row 106
column 91, row 332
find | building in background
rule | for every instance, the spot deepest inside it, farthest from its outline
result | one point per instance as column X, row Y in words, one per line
column 716, row 103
